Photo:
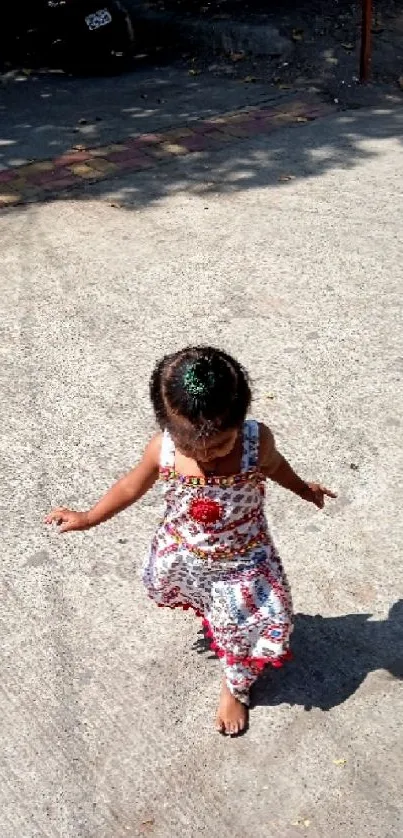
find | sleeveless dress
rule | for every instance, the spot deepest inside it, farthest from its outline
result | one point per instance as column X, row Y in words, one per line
column 213, row 553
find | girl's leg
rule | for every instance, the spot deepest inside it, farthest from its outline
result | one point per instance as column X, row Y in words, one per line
column 232, row 713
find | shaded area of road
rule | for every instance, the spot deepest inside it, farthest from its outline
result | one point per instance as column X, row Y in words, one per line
column 45, row 118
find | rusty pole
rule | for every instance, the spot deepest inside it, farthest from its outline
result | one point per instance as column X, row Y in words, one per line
column 365, row 61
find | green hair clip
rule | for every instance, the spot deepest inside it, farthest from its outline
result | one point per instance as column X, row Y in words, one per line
column 194, row 385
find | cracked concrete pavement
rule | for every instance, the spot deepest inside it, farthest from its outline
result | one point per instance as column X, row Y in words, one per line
column 107, row 702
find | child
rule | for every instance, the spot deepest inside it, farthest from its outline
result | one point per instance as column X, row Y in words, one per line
column 213, row 551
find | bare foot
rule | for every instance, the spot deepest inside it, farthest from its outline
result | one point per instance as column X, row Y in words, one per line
column 232, row 715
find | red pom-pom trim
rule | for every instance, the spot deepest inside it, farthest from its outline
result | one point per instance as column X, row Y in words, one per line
column 257, row 664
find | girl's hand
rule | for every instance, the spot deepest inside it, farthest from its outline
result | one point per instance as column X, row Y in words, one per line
column 68, row 520
column 316, row 494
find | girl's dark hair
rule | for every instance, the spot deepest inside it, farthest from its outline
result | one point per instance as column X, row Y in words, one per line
column 202, row 384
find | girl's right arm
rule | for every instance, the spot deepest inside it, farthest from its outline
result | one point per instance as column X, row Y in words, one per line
column 126, row 491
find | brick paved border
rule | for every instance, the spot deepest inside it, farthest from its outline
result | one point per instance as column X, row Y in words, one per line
column 51, row 178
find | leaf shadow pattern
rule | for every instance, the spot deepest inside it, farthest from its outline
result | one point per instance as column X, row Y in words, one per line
column 47, row 117
column 333, row 656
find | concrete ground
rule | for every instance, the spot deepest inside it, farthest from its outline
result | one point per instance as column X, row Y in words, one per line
column 287, row 251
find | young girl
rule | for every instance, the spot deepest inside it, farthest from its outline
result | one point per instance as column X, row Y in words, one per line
column 213, row 551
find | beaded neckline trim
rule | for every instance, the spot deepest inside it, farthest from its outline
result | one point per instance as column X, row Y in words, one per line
column 167, row 473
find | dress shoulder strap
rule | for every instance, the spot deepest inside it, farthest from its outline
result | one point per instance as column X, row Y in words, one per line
column 167, row 455
column 250, row 453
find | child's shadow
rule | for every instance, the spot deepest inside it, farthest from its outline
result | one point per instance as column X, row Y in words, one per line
column 333, row 656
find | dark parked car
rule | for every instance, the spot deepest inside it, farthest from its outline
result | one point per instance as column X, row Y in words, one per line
column 72, row 35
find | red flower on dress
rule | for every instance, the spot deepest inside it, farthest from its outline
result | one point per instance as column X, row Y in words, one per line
column 205, row 510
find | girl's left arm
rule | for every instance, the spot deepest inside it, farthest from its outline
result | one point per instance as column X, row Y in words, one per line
column 275, row 466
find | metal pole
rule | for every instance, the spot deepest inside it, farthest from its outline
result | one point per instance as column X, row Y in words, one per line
column 365, row 61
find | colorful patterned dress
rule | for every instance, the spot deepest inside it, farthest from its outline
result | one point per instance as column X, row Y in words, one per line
column 213, row 553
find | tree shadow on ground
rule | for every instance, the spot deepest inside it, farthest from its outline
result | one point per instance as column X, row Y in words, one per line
column 46, row 115
column 296, row 152
column 333, row 656
column 93, row 112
